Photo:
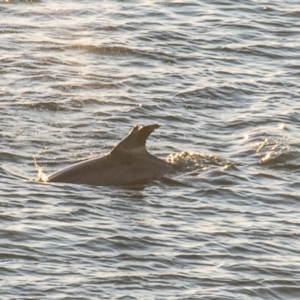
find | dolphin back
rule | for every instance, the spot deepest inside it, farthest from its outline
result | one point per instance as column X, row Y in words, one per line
column 129, row 162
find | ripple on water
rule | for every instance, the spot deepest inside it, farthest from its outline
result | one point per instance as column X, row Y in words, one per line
column 223, row 83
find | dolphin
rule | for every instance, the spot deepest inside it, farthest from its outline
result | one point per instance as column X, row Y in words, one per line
column 128, row 163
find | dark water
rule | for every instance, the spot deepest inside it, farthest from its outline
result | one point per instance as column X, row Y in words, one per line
column 222, row 77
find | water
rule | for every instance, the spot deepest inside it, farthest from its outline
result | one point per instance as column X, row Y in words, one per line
column 222, row 77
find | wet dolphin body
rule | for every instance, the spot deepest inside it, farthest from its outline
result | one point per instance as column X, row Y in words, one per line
column 128, row 163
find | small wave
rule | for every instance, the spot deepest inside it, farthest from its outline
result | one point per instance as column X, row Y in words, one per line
column 289, row 160
column 14, row 171
column 48, row 106
column 88, row 86
column 270, row 149
column 111, row 51
column 22, row 1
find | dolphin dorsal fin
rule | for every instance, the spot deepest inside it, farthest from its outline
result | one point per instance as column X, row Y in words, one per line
column 135, row 141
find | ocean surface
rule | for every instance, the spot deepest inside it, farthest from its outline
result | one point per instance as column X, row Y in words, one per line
column 222, row 78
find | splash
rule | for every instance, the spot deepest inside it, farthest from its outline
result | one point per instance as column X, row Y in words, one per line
column 189, row 161
column 42, row 177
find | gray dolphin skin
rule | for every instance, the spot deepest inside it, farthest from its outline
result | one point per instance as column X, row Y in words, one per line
column 128, row 163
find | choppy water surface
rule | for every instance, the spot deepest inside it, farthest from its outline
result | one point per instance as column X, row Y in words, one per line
column 222, row 77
